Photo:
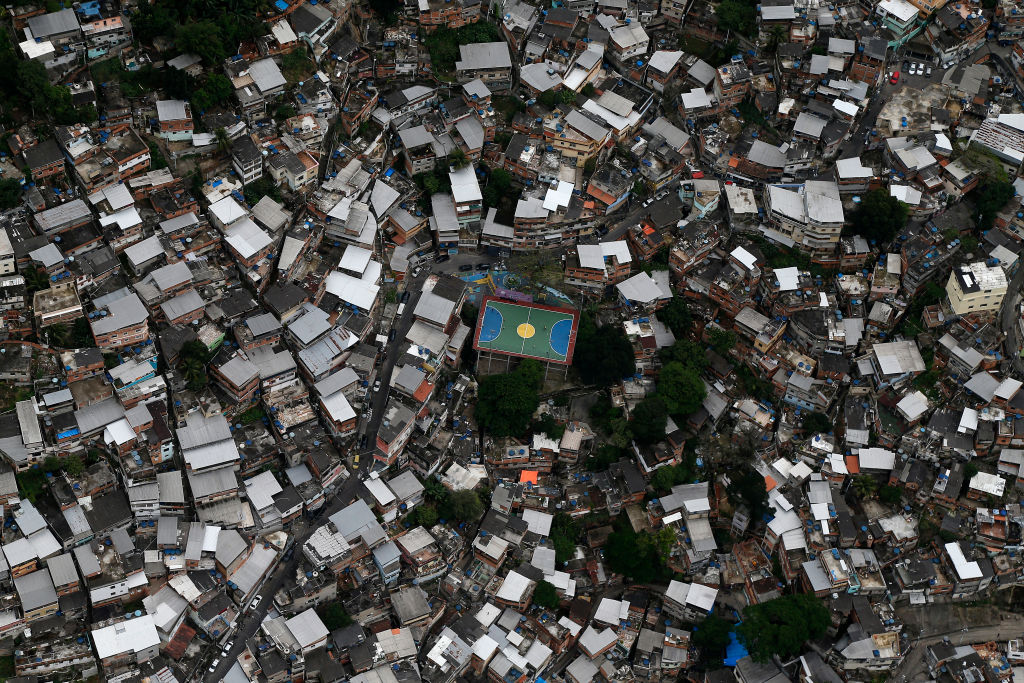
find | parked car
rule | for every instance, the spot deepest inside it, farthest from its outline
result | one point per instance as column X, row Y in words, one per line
column 906, row 65
column 255, row 602
column 416, row 271
column 927, row 71
column 483, row 266
column 405, row 296
column 391, row 335
column 895, row 78
column 376, row 385
column 443, row 257
column 466, row 267
column 213, row 665
column 227, row 648
column 362, row 441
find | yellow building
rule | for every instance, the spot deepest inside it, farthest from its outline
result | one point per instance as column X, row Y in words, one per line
column 975, row 288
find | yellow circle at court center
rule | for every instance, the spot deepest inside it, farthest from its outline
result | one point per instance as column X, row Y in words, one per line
column 526, row 330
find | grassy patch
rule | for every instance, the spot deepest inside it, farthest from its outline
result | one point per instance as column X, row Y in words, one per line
column 10, row 394
column 254, row 414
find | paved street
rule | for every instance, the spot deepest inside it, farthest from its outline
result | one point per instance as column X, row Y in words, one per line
column 249, row 621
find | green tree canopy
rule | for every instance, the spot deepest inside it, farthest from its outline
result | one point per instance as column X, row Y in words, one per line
column 676, row 316
column 506, row 403
column 202, row 38
column 10, row 193
column 603, row 354
column 817, row 422
column 737, row 15
column 565, row 533
column 712, row 637
column 640, row 557
column 990, row 199
column 464, row 505
column 649, row 419
column 879, row 217
column 545, row 595
column 216, row 90
column 689, row 353
column 681, row 389
column 334, row 616
column 782, row 626
column 890, row 495
column 423, row 515
column 722, row 341
column 748, row 488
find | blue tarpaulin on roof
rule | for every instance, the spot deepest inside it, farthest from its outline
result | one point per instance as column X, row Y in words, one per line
column 281, row 5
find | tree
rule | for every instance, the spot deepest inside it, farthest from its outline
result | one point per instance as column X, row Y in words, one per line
column 10, row 193
column 385, row 9
column 649, row 419
column 603, row 354
column 464, row 506
column 499, row 185
column 688, row 353
column 216, row 90
column 202, row 38
column 223, row 141
column 992, row 197
column 722, row 341
column 865, row 485
column 589, row 166
column 736, row 15
column 776, row 36
column 434, row 490
column 604, row 457
column 817, row 422
column 506, row 403
column 545, row 595
column 676, row 316
column 192, row 363
column 469, row 314
column 334, row 616
column 664, row 479
column 549, row 426
column 640, row 557
column 457, row 158
column 73, row 465
column 879, row 217
column 712, row 637
column 890, row 495
column 748, row 488
column 58, row 334
column 681, row 389
column 565, row 532
column 423, row 515
column 285, row 111
column 36, row 280
column 782, row 626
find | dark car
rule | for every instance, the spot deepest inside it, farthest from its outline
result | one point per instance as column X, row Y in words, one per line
column 483, row 266
column 362, row 441
column 466, row 268
column 602, row 231
column 391, row 335
column 906, row 65
column 405, row 296
column 443, row 257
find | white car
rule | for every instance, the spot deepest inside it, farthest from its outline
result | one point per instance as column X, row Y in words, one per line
column 213, row 665
column 227, row 648
column 255, row 602
column 376, row 385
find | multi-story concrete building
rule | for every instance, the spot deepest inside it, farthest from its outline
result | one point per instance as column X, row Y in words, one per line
column 976, row 288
